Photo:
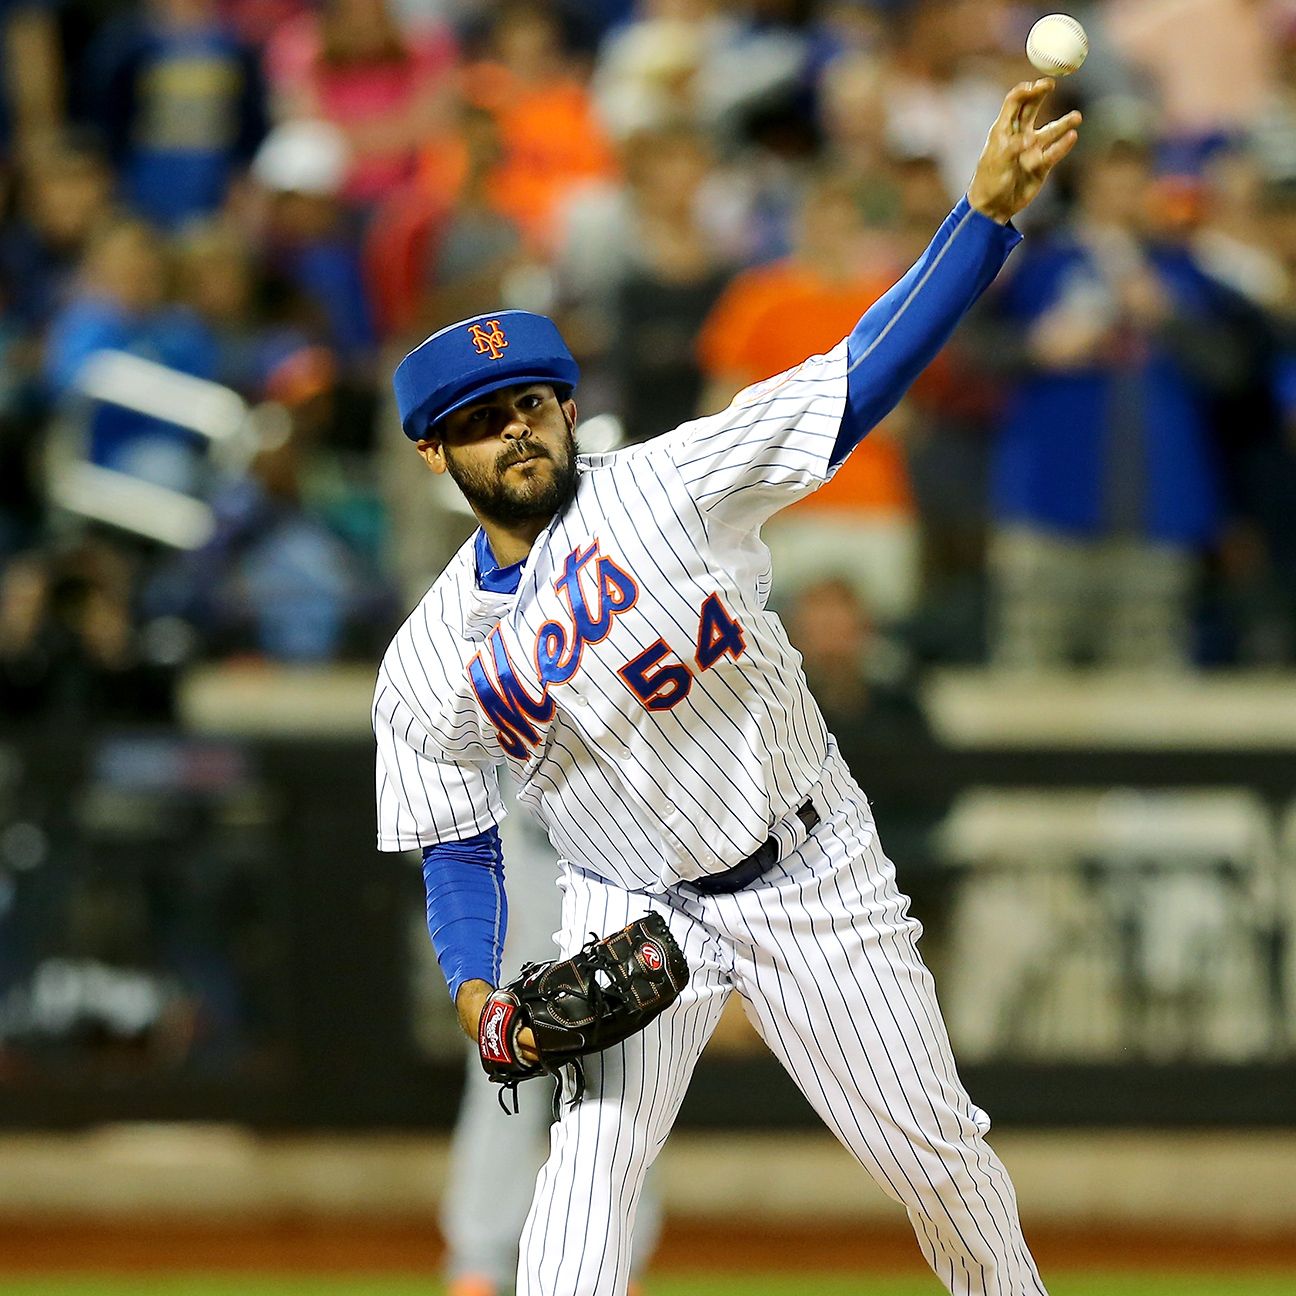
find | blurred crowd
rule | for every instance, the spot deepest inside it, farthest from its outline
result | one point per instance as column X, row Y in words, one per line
column 281, row 197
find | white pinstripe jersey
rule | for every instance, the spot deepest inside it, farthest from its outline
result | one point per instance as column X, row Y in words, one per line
column 652, row 709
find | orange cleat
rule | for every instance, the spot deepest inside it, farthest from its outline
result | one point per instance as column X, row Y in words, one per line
column 472, row 1285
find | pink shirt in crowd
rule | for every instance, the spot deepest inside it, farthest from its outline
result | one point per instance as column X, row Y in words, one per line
column 363, row 95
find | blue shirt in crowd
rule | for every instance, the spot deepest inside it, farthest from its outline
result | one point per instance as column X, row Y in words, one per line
column 1071, row 442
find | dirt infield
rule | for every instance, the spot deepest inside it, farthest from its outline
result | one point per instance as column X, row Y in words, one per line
column 356, row 1247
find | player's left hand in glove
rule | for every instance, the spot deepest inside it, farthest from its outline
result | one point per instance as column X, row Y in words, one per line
column 604, row 994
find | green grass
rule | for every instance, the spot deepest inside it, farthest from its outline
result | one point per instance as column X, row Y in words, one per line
column 804, row 1285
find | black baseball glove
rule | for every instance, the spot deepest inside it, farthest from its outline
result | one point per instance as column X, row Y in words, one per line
column 613, row 988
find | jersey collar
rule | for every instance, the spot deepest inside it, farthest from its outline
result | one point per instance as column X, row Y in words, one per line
column 490, row 575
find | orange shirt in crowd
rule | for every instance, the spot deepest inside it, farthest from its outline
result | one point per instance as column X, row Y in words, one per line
column 770, row 319
column 551, row 140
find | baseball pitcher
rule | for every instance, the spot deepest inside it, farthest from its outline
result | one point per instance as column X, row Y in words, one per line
column 605, row 632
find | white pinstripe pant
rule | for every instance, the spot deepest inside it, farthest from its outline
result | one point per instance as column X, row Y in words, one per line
column 824, row 955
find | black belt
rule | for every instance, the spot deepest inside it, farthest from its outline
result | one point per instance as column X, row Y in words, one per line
column 759, row 862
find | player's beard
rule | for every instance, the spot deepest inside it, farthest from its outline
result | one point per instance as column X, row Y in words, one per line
column 508, row 502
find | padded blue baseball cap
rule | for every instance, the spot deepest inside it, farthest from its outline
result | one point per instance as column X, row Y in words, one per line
column 466, row 361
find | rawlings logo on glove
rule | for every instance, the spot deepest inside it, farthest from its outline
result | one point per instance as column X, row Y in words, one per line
column 609, row 991
column 495, row 1039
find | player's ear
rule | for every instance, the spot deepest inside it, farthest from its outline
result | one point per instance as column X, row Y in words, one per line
column 569, row 409
column 433, row 452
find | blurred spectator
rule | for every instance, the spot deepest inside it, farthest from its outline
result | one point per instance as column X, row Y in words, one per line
column 21, row 406
column 855, row 679
column 1235, row 239
column 1211, row 63
column 181, row 105
column 854, row 117
column 21, row 418
column 32, row 109
column 65, row 194
column 440, row 246
column 1106, row 485
column 612, row 163
column 395, row 251
column 310, row 241
column 947, row 81
column 69, row 649
column 872, row 708
column 385, row 89
column 1272, row 132
column 843, row 28
column 670, row 179
column 49, row 69
column 860, row 525
column 716, row 64
column 552, row 140
column 641, row 264
column 652, row 70
column 1230, row 239
column 257, row 21
column 274, row 579
column 671, row 283
column 1267, row 582
column 219, row 276
column 122, row 305
column 755, row 97
column 477, row 247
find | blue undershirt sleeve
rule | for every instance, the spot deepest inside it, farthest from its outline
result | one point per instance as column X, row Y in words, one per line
column 467, row 911
column 900, row 334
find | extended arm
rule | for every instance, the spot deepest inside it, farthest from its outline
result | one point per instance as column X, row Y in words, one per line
column 903, row 331
column 780, row 438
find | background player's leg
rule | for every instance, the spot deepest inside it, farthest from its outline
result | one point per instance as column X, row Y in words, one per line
column 830, row 972
column 578, row 1235
column 494, row 1158
column 493, row 1163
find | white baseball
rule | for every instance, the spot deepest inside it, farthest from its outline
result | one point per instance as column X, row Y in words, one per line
column 1057, row 45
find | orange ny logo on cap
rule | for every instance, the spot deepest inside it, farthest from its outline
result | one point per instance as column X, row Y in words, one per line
column 488, row 339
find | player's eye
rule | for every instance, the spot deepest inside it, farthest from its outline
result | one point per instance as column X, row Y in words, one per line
column 477, row 421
